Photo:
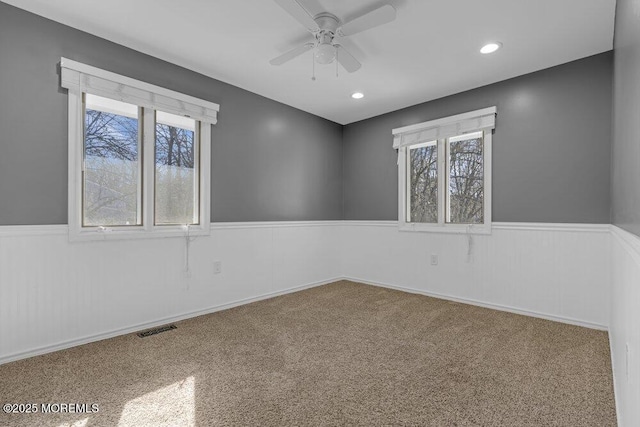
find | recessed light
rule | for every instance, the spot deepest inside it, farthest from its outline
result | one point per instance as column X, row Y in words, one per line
column 357, row 95
column 490, row 47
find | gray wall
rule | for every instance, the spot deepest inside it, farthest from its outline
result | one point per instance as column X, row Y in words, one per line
column 626, row 122
column 270, row 161
column 551, row 158
column 551, row 147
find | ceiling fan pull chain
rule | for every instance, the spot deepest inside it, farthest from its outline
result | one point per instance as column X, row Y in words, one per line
column 337, row 53
column 313, row 67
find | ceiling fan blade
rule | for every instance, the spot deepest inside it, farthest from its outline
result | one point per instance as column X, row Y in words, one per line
column 380, row 16
column 347, row 60
column 288, row 56
column 296, row 10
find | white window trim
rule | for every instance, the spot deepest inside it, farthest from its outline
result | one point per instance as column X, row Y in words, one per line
column 410, row 136
column 80, row 78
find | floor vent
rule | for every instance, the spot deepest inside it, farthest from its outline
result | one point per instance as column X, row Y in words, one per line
column 156, row 331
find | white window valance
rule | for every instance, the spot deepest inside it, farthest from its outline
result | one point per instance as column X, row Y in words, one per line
column 473, row 121
column 85, row 78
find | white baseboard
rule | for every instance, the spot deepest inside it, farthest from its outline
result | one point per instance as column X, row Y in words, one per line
column 498, row 307
column 142, row 326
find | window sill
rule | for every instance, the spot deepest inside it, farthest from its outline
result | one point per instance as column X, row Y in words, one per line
column 484, row 229
column 117, row 233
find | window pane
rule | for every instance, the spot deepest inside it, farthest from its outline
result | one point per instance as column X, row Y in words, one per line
column 176, row 198
column 466, row 180
column 111, row 178
column 423, row 176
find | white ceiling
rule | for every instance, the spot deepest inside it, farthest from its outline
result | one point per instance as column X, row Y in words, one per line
column 431, row 50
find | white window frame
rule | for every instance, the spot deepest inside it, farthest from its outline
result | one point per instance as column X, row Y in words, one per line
column 439, row 131
column 80, row 78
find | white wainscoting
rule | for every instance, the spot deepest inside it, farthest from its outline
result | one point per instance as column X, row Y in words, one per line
column 55, row 294
column 554, row 271
column 624, row 328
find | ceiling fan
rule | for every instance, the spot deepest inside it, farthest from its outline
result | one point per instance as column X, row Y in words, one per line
column 325, row 28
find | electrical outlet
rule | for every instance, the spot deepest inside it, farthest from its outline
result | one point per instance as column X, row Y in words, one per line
column 434, row 259
column 217, row 267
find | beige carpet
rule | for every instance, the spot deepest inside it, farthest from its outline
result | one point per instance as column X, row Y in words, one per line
column 341, row 354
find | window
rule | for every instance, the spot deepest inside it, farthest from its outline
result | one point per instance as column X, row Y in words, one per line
column 444, row 173
column 139, row 157
column 111, row 176
column 176, row 170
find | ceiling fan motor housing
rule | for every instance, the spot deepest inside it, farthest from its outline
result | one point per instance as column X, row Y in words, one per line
column 325, row 50
column 327, row 22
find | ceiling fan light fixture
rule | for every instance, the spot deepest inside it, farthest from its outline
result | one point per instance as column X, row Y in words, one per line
column 490, row 47
column 357, row 95
column 325, row 53
column 325, row 28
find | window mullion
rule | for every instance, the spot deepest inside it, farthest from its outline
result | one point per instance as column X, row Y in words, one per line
column 443, row 194
column 204, row 142
column 487, row 175
column 148, row 160
column 407, row 187
column 403, row 185
column 197, row 144
column 140, row 190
